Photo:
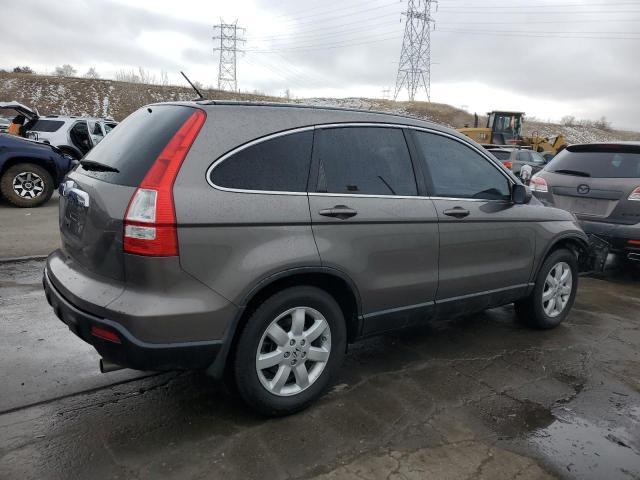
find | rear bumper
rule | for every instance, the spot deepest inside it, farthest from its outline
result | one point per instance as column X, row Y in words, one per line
column 130, row 351
column 616, row 235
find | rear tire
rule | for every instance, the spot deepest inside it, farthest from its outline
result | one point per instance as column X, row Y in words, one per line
column 26, row 185
column 289, row 351
column 554, row 292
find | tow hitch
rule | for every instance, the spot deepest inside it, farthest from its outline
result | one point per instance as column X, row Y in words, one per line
column 594, row 257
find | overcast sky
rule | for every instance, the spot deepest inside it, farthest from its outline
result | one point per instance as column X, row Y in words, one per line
column 549, row 58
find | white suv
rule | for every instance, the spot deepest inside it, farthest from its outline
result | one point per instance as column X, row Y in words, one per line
column 75, row 136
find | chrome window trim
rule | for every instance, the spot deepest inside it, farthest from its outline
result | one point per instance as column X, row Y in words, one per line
column 351, row 124
column 363, row 195
column 244, row 147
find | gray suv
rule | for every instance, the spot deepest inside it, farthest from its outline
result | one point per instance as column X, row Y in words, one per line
column 600, row 184
column 257, row 241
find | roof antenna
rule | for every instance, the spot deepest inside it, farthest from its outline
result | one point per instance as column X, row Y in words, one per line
column 193, row 86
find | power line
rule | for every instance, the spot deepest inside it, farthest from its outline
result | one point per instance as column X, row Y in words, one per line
column 414, row 70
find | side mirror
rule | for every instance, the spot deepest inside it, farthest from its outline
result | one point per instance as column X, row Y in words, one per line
column 520, row 194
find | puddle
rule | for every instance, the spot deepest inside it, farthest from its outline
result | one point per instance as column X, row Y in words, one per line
column 588, row 451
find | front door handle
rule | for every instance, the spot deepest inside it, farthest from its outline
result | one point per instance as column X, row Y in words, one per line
column 339, row 211
column 457, row 212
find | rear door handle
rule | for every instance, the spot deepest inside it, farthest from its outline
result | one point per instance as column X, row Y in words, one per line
column 457, row 212
column 339, row 211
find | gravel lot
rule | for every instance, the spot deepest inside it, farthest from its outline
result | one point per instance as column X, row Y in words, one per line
column 480, row 397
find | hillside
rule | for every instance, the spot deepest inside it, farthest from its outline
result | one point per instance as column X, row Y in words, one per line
column 109, row 98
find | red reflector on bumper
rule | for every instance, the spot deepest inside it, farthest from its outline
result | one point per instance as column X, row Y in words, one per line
column 105, row 334
column 633, row 242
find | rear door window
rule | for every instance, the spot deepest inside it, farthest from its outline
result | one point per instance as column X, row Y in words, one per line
column 365, row 161
column 279, row 164
column 136, row 143
column 602, row 162
column 457, row 171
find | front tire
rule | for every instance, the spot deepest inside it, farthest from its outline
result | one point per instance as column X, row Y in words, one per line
column 26, row 185
column 289, row 351
column 554, row 292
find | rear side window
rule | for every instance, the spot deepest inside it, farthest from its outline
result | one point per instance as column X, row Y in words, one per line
column 524, row 157
column 47, row 126
column 280, row 164
column 604, row 162
column 136, row 143
column 457, row 171
column 364, row 160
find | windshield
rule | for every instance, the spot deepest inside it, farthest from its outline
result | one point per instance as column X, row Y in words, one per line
column 599, row 162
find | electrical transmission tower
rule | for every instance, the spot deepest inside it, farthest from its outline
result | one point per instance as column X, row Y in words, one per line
column 227, row 33
column 414, row 70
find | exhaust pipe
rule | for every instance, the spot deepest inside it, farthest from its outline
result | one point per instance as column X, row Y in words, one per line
column 634, row 256
column 106, row 366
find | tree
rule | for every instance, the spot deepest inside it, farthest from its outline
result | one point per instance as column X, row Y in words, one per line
column 65, row 70
column 164, row 78
column 91, row 73
column 602, row 124
column 568, row 121
column 24, row 69
column 129, row 77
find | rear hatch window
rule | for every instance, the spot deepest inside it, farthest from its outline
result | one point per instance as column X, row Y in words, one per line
column 132, row 148
column 598, row 161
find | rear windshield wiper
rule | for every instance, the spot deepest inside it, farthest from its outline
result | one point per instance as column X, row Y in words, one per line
column 97, row 167
column 577, row 173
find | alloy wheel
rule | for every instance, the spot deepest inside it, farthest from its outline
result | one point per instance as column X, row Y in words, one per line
column 293, row 351
column 28, row 185
column 557, row 289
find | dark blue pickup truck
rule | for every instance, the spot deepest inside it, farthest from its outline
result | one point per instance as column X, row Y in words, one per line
column 30, row 171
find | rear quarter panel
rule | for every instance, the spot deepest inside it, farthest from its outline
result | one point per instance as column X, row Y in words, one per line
column 231, row 240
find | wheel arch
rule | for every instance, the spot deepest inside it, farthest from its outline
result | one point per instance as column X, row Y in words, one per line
column 333, row 281
column 75, row 153
column 575, row 243
column 10, row 162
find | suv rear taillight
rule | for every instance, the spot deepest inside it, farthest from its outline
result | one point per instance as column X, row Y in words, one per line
column 538, row 184
column 635, row 195
column 508, row 164
column 150, row 219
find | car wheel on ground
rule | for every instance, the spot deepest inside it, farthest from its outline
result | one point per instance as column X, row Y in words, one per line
column 289, row 350
column 26, row 185
column 554, row 292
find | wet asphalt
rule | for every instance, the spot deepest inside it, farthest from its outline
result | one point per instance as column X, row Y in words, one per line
column 477, row 397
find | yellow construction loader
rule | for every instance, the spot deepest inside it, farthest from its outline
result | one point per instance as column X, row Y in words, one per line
column 505, row 128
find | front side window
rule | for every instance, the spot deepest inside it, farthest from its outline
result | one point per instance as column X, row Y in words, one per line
column 279, row 164
column 458, row 171
column 364, row 161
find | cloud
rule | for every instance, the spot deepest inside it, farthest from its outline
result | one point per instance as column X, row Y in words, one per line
column 480, row 57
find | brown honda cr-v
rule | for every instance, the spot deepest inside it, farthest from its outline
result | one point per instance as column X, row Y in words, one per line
column 260, row 240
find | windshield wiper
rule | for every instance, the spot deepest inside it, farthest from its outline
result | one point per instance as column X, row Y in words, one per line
column 97, row 167
column 577, row 173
